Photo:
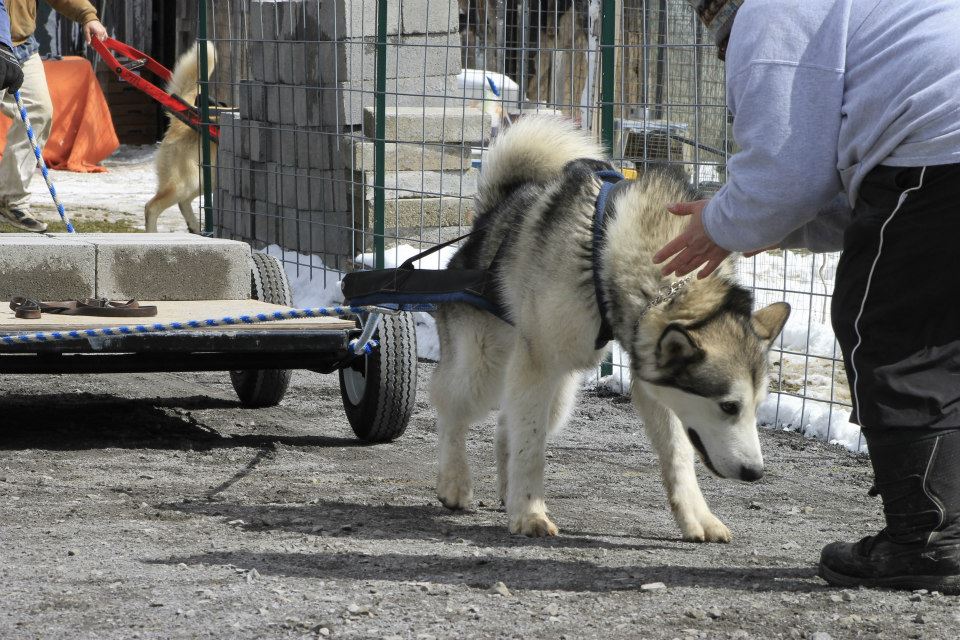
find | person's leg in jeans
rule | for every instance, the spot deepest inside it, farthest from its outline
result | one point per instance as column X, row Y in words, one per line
column 19, row 162
column 896, row 315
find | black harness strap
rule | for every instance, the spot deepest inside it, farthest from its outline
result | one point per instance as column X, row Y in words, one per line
column 413, row 289
column 611, row 179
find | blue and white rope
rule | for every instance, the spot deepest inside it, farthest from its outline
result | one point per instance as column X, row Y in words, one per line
column 158, row 327
column 42, row 164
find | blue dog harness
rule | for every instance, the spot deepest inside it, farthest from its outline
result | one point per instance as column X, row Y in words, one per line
column 407, row 288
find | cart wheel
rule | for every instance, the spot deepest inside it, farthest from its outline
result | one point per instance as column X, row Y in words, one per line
column 265, row 387
column 380, row 389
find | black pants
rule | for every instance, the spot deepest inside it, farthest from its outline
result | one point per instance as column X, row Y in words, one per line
column 896, row 304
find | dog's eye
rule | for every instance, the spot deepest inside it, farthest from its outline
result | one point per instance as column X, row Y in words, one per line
column 730, row 408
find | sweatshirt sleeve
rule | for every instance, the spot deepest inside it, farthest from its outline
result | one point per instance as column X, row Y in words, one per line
column 80, row 11
column 5, row 25
column 824, row 233
column 787, row 122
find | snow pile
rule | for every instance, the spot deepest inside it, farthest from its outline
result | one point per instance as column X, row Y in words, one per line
column 313, row 283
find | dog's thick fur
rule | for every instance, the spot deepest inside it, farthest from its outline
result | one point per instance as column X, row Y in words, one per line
column 698, row 362
column 177, row 162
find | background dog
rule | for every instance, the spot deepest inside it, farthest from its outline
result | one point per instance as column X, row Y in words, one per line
column 698, row 360
column 178, row 158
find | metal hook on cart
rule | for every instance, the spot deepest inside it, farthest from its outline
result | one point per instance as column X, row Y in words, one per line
column 360, row 345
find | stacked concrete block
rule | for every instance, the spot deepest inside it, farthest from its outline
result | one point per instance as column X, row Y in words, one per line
column 41, row 266
column 289, row 175
column 123, row 266
column 428, row 181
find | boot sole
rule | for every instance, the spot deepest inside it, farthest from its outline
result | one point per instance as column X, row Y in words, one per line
column 948, row 585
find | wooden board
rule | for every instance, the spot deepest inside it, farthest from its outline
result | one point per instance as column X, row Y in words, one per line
column 175, row 311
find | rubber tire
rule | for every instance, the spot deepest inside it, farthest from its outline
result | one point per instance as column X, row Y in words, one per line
column 259, row 388
column 390, row 376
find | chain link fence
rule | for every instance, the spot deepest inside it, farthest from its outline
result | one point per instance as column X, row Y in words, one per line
column 354, row 131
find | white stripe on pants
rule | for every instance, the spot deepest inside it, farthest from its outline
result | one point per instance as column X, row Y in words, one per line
column 19, row 164
column 863, row 303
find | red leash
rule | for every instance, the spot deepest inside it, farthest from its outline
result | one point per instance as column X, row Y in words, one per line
column 173, row 104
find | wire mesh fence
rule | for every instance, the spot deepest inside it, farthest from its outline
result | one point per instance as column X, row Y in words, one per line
column 356, row 129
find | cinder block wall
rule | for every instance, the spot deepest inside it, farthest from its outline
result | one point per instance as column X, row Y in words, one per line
column 289, row 160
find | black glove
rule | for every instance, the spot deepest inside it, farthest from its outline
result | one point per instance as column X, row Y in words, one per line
column 11, row 73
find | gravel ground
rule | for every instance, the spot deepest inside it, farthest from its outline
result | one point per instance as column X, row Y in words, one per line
column 153, row 506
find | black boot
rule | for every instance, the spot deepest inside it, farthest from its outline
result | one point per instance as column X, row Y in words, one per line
column 917, row 474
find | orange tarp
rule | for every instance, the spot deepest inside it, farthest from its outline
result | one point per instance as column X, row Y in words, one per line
column 83, row 133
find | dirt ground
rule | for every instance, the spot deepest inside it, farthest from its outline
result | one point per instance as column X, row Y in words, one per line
column 152, row 506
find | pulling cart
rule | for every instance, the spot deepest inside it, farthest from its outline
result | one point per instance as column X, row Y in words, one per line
column 378, row 385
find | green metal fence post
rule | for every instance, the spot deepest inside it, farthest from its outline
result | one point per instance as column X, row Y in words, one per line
column 205, row 120
column 608, row 29
column 380, row 107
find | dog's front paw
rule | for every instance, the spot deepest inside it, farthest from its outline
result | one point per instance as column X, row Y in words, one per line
column 707, row 528
column 454, row 491
column 533, row 525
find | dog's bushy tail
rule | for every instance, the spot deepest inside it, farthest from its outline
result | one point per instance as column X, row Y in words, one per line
column 186, row 73
column 534, row 149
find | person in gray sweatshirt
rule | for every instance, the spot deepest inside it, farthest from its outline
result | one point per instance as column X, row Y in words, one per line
column 847, row 114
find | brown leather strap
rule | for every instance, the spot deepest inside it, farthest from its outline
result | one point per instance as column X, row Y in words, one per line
column 30, row 309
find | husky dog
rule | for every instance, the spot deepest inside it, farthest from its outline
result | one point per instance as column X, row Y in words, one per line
column 178, row 173
column 698, row 357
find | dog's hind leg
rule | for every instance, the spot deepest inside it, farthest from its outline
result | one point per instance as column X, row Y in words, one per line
column 466, row 386
column 675, row 452
column 163, row 200
column 186, row 210
column 536, row 401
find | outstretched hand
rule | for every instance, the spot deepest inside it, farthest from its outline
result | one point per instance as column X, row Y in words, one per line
column 693, row 248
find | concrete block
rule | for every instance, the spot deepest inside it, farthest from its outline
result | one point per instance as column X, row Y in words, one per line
column 272, row 171
column 244, row 99
column 332, row 238
column 429, row 16
column 170, row 266
column 431, row 124
column 264, row 224
column 286, row 73
column 407, row 57
column 337, row 20
column 409, row 156
column 424, row 91
column 263, row 20
column 284, row 147
column 416, row 184
column 324, row 63
column 258, row 102
column 46, row 267
column 274, row 112
column 288, row 189
column 415, row 212
column 260, row 141
column 290, row 227
column 307, row 107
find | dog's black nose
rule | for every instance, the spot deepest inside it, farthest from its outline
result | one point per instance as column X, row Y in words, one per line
column 750, row 474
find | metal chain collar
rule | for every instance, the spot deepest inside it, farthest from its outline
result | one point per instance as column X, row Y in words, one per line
column 667, row 293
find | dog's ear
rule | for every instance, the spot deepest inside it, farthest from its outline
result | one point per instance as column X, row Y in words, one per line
column 677, row 348
column 769, row 321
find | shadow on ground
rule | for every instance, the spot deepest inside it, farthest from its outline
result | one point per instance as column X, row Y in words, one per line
column 80, row 421
column 521, row 573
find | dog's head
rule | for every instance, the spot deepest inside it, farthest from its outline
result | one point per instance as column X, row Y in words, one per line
column 713, row 373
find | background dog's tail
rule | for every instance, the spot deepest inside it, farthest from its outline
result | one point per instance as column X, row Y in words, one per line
column 186, row 73
column 534, row 149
